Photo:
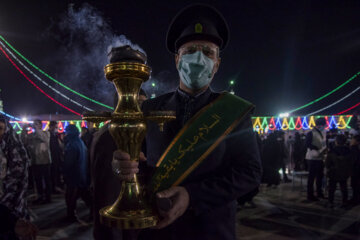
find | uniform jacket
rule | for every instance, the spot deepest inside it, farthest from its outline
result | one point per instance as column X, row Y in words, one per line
column 232, row 170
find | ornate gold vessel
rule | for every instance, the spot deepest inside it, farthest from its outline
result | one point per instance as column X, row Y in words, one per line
column 128, row 70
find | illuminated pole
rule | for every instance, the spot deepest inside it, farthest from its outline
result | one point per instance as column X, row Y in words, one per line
column 231, row 83
column 153, row 85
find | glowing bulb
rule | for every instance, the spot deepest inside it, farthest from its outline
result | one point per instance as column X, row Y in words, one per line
column 24, row 119
column 282, row 115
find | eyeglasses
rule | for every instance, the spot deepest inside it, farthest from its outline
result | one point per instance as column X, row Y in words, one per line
column 208, row 51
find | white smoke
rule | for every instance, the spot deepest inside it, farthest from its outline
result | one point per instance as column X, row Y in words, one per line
column 86, row 38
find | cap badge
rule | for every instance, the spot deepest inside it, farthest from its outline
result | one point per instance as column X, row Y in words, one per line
column 198, row 28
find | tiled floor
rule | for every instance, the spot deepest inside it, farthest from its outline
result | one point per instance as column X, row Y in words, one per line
column 281, row 214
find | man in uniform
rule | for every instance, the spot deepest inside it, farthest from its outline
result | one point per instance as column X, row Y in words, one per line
column 204, row 204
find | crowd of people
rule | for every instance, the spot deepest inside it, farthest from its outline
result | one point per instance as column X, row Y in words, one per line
column 328, row 157
column 50, row 163
column 44, row 163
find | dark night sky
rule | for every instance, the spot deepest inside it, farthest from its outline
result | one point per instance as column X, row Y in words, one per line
column 282, row 54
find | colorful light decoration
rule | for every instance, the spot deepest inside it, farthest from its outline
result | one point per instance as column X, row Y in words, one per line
column 260, row 124
column 36, row 86
column 346, row 110
column 324, row 96
column 51, row 78
column 9, row 116
column 336, row 102
column 299, row 123
column 42, row 81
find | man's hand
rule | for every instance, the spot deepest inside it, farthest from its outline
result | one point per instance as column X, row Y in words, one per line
column 25, row 230
column 123, row 167
column 180, row 202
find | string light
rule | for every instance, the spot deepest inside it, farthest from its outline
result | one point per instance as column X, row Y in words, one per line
column 334, row 103
column 299, row 123
column 260, row 124
column 53, row 79
column 9, row 116
column 348, row 109
column 42, row 81
column 324, row 96
column 38, row 88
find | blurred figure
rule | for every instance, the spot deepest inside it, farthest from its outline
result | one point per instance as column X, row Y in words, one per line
column 355, row 178
column 271, row 160
column 338, row 165
column 316, row 147
column 75, row 172
column 56, row 157
column 283, row 154
column 25, row 138
column 86, row 136
column 41, row 162
column 13, row 185
column 330, row 139
column 298, row 153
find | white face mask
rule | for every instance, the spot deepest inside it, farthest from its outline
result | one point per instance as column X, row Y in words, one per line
column 195, row 70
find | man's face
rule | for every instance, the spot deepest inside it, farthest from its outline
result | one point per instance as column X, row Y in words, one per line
column 2, row 129
column 209, row 49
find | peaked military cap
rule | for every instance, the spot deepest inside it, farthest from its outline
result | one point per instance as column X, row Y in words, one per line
column 197, row 22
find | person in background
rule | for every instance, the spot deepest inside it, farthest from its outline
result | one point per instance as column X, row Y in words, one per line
column 56, row 157
column 86, row 136
column 284, row 153
column 339, row 165
column 75, row 170
column 14, row 164
column 41, row 162
column 271, row 161
column 298, row 153
column 355, row 178
column 25, row 137
column 316, row 146
column 330, row 139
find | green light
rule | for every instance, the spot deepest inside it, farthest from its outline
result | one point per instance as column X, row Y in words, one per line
column 53, row 79
column 232, row 82
column 153, row 84
column 322, row 97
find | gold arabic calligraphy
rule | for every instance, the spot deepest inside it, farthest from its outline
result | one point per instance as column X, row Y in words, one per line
column 170, row 165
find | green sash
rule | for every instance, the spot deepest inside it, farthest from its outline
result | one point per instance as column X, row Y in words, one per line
column 197, row 139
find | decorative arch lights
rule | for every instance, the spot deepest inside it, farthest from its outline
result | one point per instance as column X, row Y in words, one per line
column 260, row 124
column 299, row 123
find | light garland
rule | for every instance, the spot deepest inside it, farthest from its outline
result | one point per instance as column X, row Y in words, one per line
column 334, row 103
column 348, row 109
column 42, row 81
column 260, row 124
column 38, row 88
column 324, row 96
column 9, row 116
column 53, row 79
column 299, row 123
